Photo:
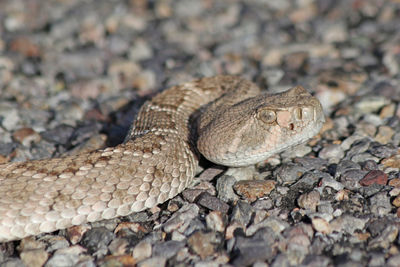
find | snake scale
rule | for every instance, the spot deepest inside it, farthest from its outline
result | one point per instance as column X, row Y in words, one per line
column 224, row 117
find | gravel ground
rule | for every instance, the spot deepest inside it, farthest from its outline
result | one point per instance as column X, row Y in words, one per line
column 74, row 73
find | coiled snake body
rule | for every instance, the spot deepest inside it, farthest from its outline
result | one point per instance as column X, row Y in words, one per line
column 238, row 126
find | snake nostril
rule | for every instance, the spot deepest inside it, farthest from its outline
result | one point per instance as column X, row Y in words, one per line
column 291, row 126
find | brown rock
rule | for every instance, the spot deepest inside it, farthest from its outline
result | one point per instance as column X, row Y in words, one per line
column 374, row 177
column 25, row 47
column 210, row 173
column 387, row 111
column 309, row 200
column 202, row 243
column 396, row 202
column 26, row 136
column 124, row 260
column 385, row 134
column 392, row 162
column 215, row 221
column 254, row 189
column 75, row 233
column 342, row 195
column 33, row 252
column 395, row 182
column 142, row 251
column 3, row 159
column 34, row 258
column 362, row 236
column 321, row 225
column 133, row 226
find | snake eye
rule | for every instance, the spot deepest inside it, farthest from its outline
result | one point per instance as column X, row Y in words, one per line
column 267, row 115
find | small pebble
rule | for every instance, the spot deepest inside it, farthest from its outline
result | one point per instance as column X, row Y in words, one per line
column 153, row 262
column 203, row 244
column 118, row 247
column 142, row 251
column 333, row 153
column 258, row 247
column 289, row 173
column 34, row 257
column 309, row 200
column 384, row 134
column 167, row 249
column 215, row 221
column 97, row 239
column 225, row 188
column 208, row 201
column 384, row 239
column 321, row 225
column 242, row 213
column 26, row 136
column 181, row 219
column 254, row 189
column 374, row 177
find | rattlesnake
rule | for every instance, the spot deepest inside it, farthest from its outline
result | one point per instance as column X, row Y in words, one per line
column 236, row 126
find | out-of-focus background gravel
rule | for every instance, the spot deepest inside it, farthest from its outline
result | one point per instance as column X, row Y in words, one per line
column 74, row 73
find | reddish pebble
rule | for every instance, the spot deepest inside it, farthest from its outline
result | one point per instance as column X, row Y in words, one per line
column 374, row 177
column 25, row 47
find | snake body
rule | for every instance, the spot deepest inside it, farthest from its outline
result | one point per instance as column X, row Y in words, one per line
column 235, row 126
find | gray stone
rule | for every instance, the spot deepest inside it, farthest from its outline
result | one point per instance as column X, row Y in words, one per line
column 289, row 173
column 311, row 163
column 96, row 240
column 225, row 188
column 210, row 202
column 351, row 178
column 181, row 219
column 167, row 249
column 142, row 251
column 333, row 153
column 276, row 224
column 242, row 213
column 258, row 247
column 153, row 262
column 380, row 204
column 385, row 238
column 348, row 223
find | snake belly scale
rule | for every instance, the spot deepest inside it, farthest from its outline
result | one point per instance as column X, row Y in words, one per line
column 159, row 156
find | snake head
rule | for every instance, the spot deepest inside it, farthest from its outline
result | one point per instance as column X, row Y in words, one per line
column 257, row 128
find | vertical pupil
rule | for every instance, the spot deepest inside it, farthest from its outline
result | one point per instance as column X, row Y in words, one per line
column 299, row 114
